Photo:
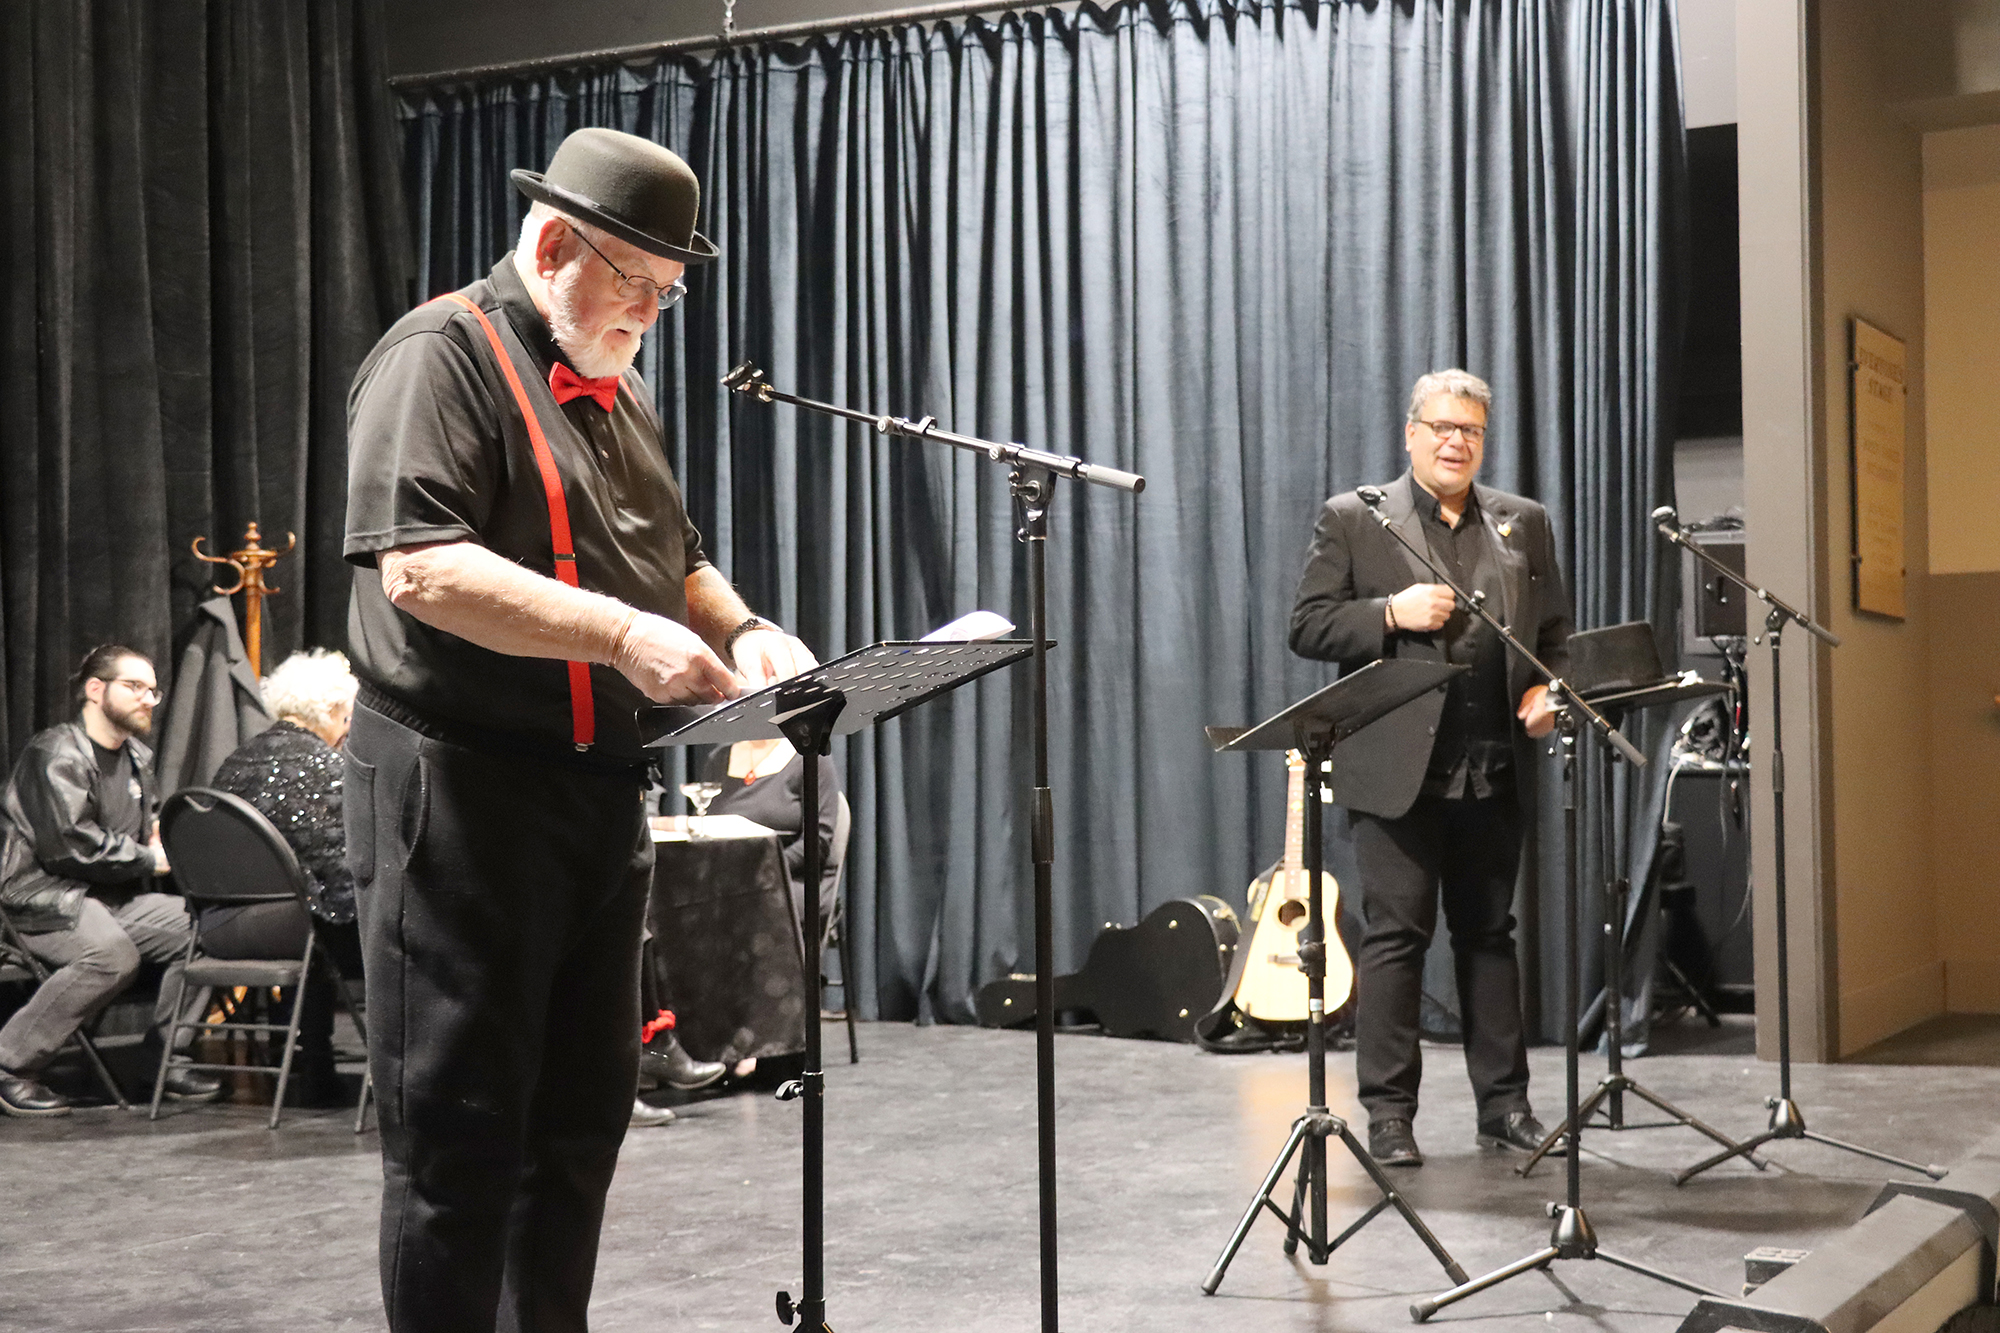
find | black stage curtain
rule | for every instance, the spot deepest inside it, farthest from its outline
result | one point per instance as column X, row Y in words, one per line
column 206, row 235
column 1212, row 243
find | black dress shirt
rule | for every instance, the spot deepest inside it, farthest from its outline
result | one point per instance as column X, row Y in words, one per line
column 438, row 452
column 1474, row 754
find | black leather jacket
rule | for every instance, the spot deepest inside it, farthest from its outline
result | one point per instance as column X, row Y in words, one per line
column 55, row 851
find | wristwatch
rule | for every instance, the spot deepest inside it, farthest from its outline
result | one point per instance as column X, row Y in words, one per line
column 754, row 622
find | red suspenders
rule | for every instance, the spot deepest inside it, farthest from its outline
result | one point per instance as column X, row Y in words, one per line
column 583, row 715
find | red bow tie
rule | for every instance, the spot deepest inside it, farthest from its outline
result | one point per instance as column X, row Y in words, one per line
column 567, row 384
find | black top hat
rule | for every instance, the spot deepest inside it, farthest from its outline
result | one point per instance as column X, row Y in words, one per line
column 632, row 187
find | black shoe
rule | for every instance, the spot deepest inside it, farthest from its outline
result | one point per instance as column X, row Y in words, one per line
column 316, row 1084
column 24, row 1097
column 1393, row 1143
column 191, row 1085
column 676, row 1069
column 1517, row 1129
column 647, row 1116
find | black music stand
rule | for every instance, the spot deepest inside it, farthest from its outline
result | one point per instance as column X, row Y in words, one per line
column 1610, row 1092
column 867, row 686
column 1314, row 725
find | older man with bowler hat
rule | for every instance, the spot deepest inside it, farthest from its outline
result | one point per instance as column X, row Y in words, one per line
column 526, row 578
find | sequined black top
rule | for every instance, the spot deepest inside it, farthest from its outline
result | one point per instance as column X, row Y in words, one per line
column 292, row 777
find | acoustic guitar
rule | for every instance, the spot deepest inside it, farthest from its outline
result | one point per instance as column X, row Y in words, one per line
column 1271, row 988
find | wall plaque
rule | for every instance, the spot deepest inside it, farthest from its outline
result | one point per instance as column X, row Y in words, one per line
column 1878, row 392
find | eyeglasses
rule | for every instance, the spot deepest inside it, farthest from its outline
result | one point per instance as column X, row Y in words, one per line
column 635, row 288
column 140, row 689
column 1445, row 429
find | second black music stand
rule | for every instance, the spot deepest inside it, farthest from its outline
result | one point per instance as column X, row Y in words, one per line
column 1609, row 1095
column 1314, row 725
column 866, row 686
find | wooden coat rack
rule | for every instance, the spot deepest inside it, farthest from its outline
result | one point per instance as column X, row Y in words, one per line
column 250, row 564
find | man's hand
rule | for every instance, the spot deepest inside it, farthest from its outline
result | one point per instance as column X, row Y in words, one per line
column 159, row 851
column 767, row 656
column 1537, row 717
column 670, row 664
column 1421, row 607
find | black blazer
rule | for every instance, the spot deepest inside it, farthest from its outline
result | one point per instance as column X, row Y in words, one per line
column 1351, row 572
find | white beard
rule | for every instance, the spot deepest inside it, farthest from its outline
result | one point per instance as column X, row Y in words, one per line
column 593, row 355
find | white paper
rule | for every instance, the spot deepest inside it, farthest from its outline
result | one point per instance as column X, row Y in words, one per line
column 976, row 627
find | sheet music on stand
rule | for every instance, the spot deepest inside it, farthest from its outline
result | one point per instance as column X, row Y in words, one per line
column 1341, row 709
column 878, row 682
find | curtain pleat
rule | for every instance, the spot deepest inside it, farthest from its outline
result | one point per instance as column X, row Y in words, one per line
column 1212, row 243
column 208, row 234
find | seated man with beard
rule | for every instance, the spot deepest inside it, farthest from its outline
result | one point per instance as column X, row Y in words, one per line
column 78, row 866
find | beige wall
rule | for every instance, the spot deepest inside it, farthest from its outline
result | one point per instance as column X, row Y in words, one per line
column 1962, row 329
column 1962, row 321
column 1965, row 814
column 1889, row 970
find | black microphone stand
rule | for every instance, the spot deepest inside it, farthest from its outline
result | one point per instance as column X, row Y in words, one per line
column 1787, row 1120
column 1031, row 478
column 1571, row 1236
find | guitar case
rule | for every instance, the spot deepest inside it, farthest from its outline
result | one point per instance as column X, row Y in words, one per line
column 1225, row 1029
column 1156, row 979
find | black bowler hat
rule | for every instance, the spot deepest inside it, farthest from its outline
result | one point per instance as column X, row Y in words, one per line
column 633, row 188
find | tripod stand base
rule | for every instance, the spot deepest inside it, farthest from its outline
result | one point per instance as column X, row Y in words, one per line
column 1572, row 1237
column 1617, row 1085
column 792, row 1313
column 1321, row 1124
column 1789, row 1122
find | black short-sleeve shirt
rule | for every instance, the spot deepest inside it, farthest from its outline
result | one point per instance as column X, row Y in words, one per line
column 438, row 452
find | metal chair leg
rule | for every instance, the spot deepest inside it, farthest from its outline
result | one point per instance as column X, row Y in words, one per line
column 847, row 985
column 174, row 1026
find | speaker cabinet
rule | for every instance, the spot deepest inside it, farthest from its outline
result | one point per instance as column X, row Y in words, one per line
column 1708, row 921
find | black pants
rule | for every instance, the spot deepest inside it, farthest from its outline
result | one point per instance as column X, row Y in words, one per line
column 278, row 930
column 1467, row 853
column 500, row 903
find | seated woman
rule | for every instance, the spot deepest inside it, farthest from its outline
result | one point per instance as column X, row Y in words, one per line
column 764, row 781
column 292, row 774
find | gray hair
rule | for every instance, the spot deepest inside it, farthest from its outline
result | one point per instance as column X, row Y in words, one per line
column 307, row 687
column 1456, row 383
column 540, row 214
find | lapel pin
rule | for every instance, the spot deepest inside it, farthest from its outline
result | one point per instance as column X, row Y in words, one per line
column 1507, row 528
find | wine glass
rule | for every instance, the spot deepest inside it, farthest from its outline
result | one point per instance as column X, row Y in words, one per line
column 699, row 795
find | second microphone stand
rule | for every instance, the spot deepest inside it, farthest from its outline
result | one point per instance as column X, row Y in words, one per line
column 1787, row 1120
column 1031, row 477
column 1572, row 1236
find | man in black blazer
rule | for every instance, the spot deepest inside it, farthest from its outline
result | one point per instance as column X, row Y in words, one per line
column 1434, row 792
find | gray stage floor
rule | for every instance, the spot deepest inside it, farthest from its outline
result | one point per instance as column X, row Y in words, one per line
column 206, row 1221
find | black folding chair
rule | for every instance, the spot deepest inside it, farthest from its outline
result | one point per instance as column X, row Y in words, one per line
column 17, row 964
column 226, row 854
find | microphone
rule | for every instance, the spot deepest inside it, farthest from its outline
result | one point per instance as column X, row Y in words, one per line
column 1371, row 495
column 1666, row 514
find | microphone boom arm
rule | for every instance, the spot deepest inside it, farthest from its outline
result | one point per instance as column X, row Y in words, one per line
column 1668, row 522
column 1565, row 696
column 747, row 379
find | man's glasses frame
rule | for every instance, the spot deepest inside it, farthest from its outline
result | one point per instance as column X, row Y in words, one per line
column 1444, row 430
column 151, row 694
column 664, row 297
